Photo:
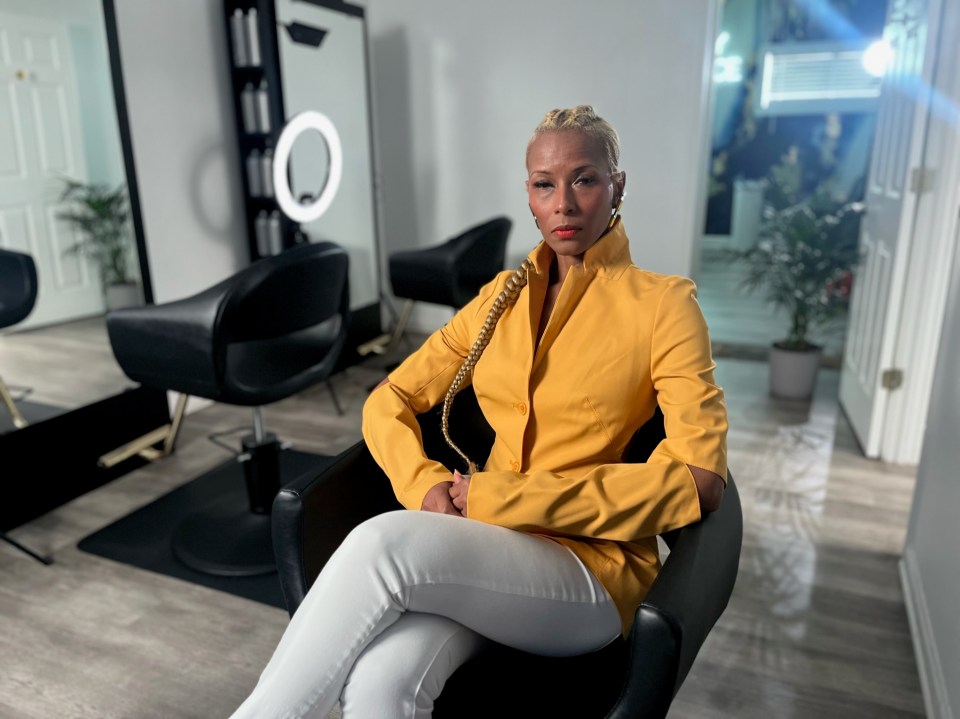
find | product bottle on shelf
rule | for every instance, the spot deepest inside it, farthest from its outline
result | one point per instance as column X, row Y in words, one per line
column 266, row 172
column 263, row 107
column 238, row 41
column 253, row 37
column 262, row 231
column 276, row 239
column 254, row 173
column 248, row 105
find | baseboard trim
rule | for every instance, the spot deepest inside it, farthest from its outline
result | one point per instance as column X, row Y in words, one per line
column 932, row 680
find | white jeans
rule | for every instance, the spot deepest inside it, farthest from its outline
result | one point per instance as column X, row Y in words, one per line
column 410, row 596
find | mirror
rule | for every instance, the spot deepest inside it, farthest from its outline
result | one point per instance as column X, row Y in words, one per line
column 59, row 123
column 323, row 70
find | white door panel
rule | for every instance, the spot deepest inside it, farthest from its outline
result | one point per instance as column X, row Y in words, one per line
column 42, row 141
column 887, row 226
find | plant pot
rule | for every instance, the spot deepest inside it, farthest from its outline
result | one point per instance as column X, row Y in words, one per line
column 793, row 373
column 123, row 295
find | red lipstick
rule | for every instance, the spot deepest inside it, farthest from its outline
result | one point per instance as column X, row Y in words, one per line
column 565, row 232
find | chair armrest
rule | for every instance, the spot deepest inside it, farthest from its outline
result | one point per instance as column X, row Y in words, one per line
column 314, row 513
column 683, row 604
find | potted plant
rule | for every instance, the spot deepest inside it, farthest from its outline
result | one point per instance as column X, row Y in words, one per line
column 102, row 215
column 803, row 262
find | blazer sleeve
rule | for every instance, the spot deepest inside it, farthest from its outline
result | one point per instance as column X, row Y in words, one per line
column 625, row 502
column 389, row 423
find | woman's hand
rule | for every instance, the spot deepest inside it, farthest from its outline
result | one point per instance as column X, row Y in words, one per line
column 437, row 499
column 458, row 491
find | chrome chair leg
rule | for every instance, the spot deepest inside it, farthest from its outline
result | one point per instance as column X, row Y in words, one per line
column 143, row 445
column 19, row 421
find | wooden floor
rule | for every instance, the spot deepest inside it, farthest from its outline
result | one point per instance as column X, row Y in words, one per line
column 816, row 627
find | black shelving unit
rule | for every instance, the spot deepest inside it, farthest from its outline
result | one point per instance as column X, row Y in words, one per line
column 257, row 142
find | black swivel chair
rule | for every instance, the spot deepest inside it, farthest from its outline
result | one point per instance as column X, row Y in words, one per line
column 268, row 332
column 18, row 296
column 633, row 679
column 448, row 274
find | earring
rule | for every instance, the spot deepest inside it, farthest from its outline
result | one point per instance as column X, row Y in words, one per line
column 535, row 220
column 615, row 213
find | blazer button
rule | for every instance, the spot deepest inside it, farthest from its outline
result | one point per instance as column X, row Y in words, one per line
column 515, row 466
column 521, row 408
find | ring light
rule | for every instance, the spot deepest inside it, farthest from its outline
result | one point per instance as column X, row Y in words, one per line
column 310, row 120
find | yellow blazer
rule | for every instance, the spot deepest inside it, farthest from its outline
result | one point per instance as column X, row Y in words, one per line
column 619, row 341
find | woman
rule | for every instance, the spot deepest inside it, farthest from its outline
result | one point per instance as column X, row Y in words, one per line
column 551, row 544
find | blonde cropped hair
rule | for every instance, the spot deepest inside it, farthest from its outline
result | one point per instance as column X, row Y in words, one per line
column 583, row 119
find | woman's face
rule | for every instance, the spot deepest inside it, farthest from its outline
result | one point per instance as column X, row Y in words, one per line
column 571, row 190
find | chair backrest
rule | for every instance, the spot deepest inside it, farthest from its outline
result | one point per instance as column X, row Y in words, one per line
column 18, row 287
column 268, row 331
column 482, row 251
column 278, row 295
column 452, row 272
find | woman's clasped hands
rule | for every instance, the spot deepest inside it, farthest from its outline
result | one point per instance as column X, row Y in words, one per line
column 448, row 497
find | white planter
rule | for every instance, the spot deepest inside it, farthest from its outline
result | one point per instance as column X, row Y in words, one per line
column 793, row 373
column 746, row 213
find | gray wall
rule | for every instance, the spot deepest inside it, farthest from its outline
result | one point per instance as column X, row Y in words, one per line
column 931, row 562
column 457, row 94
column 176, row 77
column 455, row 97
column 930, row 567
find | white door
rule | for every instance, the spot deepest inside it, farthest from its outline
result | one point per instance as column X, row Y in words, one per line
column 886, row 227
column 41, row 140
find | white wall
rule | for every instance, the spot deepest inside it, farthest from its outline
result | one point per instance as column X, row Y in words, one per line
column 930, row 567
column 175, row 68
column 931, row 562
column 457, row 94
column 455, row 97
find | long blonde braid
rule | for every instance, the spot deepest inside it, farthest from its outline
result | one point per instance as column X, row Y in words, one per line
column 508, row 296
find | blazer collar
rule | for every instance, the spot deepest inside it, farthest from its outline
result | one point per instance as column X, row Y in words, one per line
column 609, row 257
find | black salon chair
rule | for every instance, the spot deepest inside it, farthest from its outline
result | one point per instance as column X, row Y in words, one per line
column 633, row 679
column 268, row 332
column 18, row 297
column 448, row 274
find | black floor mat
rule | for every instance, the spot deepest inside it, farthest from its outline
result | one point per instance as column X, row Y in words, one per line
column 145, row 538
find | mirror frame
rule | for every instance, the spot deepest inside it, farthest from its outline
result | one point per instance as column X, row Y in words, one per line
column 56, row 459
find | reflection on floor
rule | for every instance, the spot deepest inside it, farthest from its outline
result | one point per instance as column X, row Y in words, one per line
column 816, row 626
column 67, row 365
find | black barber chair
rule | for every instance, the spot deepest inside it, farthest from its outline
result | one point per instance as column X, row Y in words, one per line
column 636, row 678
column 268, row 332
column 448, row 274
column 18, row 296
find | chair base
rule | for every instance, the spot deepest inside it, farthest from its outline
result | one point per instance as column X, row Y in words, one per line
column 226, row 541
column 234, row 539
